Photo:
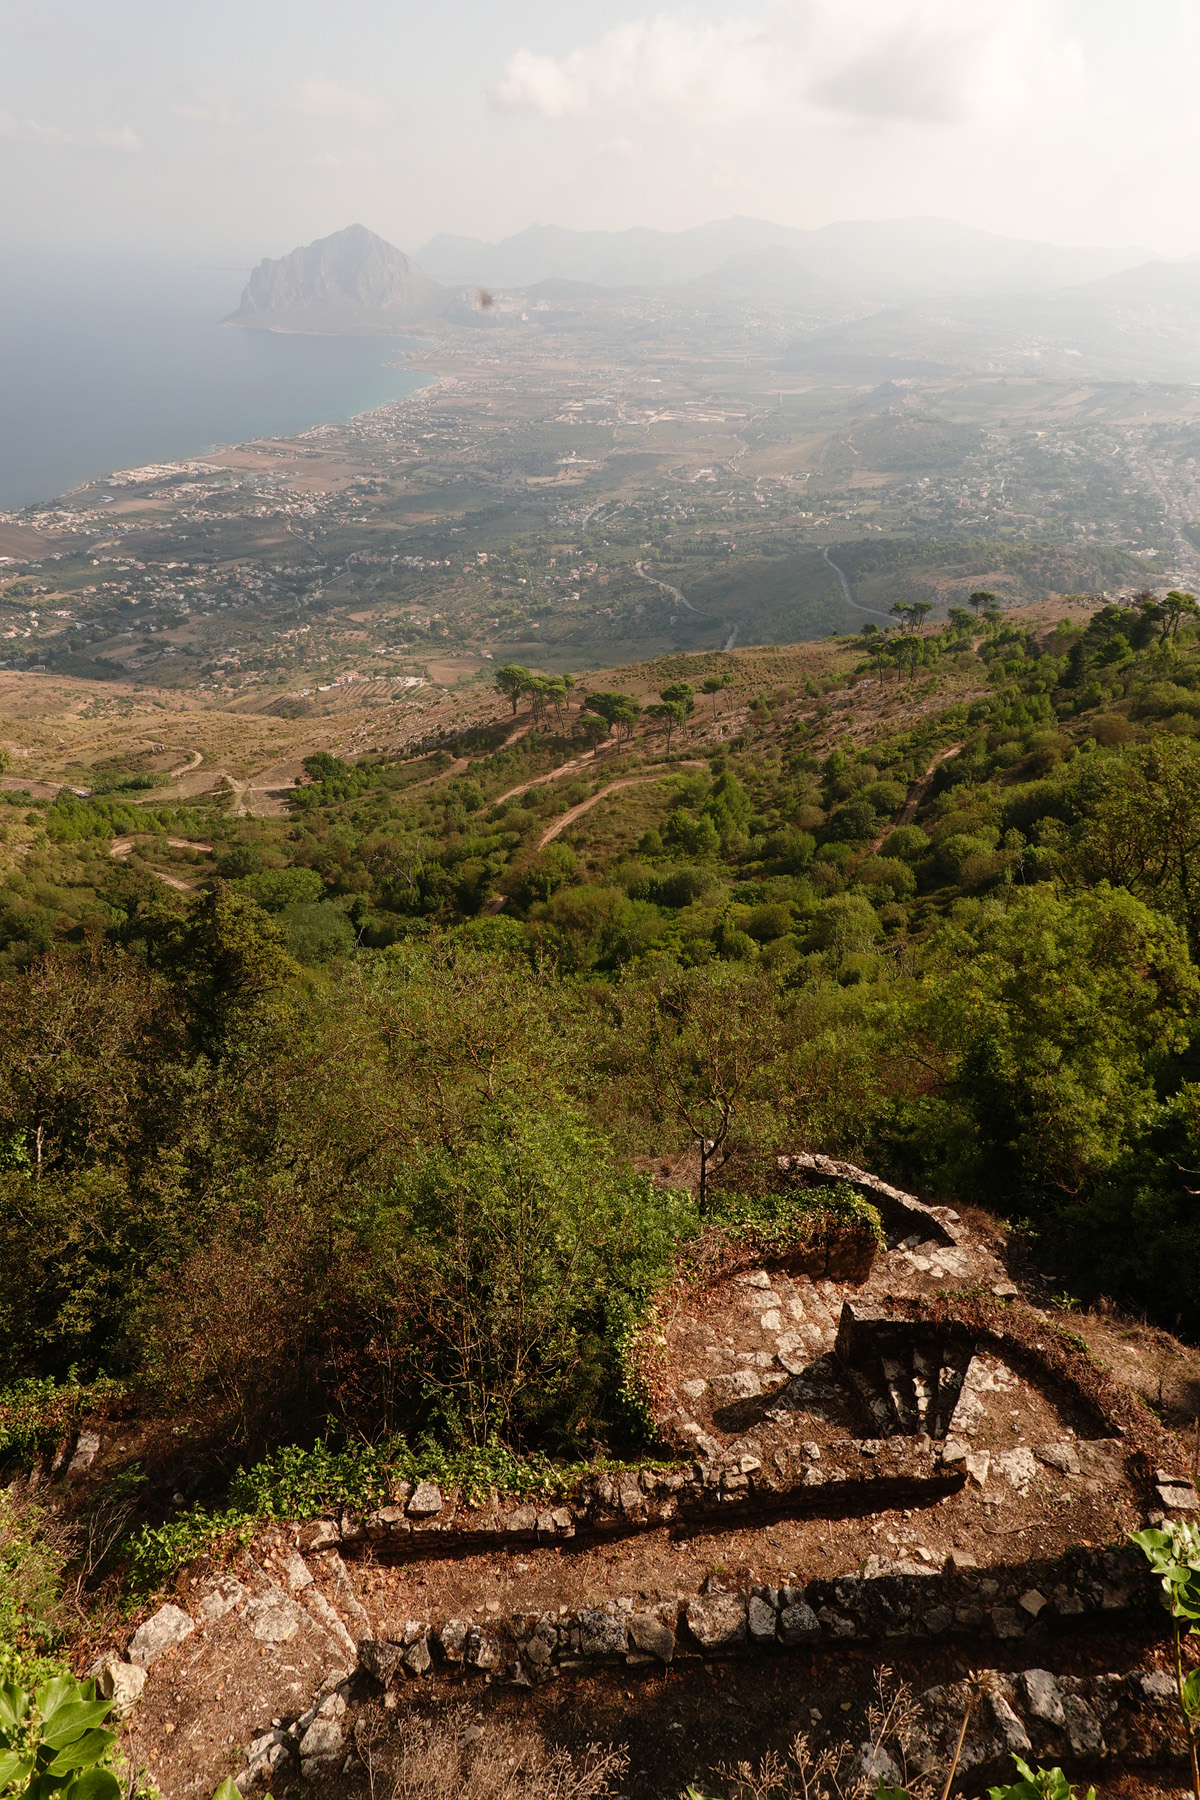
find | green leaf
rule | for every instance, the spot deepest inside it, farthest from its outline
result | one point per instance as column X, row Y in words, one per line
column 62, row 1691
column 70, row 1722
column 14, row 1769
column 883, row 1792
column 14, row 1703
column 228, row 1790
column 83, row 1754
column 93, row 1784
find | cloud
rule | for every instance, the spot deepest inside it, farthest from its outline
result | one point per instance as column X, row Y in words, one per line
column 204, row 107
column 341, row 102
column 925, row 62
column 651, row 66
column 124, row 137
column 33, row 131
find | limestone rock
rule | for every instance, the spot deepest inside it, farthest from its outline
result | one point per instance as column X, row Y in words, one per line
column 222, row 1597
column 602, row 1633
column 169, row 1626
column 320, row 1534
column 652, row 1635
column 324, row 1737
column 742, row 1384
column 426, row 1500
column 85, row 1454
column 717, row 1621
column 119, row 1681
column 453, row 1638
column 380, row 1660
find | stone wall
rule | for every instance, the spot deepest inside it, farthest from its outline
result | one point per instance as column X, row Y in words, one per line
column 889, row 1603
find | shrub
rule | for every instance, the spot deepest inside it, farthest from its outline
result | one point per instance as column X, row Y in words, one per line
column 317, row 934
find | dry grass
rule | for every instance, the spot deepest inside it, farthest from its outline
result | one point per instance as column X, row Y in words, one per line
column 458, row 1758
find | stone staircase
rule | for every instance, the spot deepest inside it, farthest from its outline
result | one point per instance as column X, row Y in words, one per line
column 909, row 1377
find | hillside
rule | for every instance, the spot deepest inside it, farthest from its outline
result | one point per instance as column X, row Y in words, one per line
column 618, row 1214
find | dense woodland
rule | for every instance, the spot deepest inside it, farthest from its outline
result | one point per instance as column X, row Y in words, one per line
column 335, row 1137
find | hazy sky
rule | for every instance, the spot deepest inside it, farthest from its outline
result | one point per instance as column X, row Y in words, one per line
column 238, row 128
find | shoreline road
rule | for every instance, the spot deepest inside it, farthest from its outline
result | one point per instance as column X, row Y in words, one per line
column 850, row 600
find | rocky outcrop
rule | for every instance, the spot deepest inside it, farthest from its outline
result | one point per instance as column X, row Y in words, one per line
column 348, row 283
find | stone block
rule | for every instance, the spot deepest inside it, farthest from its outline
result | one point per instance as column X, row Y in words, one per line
column 319, row 1534
column 380, row 1660
column 717, row 1621
column 799, row 1624
column 760, row 1620
column 652, row 1635
column 602, row 1633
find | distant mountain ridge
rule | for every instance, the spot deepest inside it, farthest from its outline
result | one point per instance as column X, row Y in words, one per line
column 352, row 281
column 871, row 258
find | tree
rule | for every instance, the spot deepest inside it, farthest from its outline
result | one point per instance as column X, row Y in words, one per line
column 1176, row 607
column 700, row 1047
column 714, row 685
column 960, row 618
column 1045, row 1019
column 981, row 600
column 85, row 1042
column 1140, row 827
column 592, row 730
column 616, row 709
column 679, row 693
column 919, row 609
column 512, row 681
column 901, row 610
column 226, row 955
column 670, row 714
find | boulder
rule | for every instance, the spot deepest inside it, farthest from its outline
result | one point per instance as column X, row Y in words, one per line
column 169, row 1626
column 119, row 1681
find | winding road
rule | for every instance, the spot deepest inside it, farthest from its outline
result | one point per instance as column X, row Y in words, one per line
column 850, row 600
column 667, row 589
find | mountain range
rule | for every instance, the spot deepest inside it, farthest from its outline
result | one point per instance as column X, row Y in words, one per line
column 878, row 259
column 869, row 298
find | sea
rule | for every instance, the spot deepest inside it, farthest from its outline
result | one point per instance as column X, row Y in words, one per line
column 109, row 365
